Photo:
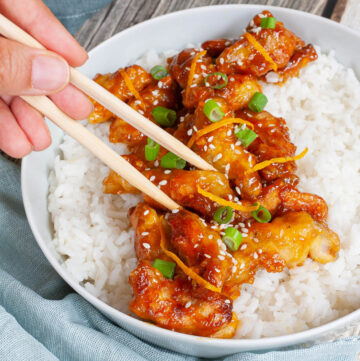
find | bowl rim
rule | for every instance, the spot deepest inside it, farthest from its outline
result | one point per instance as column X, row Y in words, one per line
column 259, row 343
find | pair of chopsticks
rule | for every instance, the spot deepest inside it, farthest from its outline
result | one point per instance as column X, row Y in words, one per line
column 87, row 139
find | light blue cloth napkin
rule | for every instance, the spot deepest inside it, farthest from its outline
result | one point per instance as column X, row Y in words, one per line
column 72, row 13
column 42, row 319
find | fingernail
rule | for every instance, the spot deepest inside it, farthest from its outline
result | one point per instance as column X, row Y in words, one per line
column 49, row 73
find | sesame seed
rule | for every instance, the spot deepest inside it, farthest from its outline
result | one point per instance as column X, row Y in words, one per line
column 146, row 245
column 216, row 270
column 145, row 233
column 141, row 112
column 221, row 258
column 152, row 178
column 217, row 157
column 211, row 236
column 211, row 146
column 210, row 139
column 205, row 148
column 203, row 67
column 260, row 251
column 242, row 265
column 256, row 255
column 160, row 84
column 194, row 127
column 233, row 269
column 156, row 163
column 167, row 171
column 156, row 102
column 223, row 253
column 196, row 245
column 242, row 224
column 244, row 230
column 243, row 247
column 229, row 133
column 207, row 256
column 189, row 132
column 232, row 79
column 188, row 304
column 146, row 212
column 175, row 210
column 163, row 182
column 221, row 61
column 244, row 235
column 238, row 191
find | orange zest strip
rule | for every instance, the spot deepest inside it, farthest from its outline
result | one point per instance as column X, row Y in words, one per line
column 261, row 50
column 223, row 202
column 130, row 85
column 215, row 126
column 188, row 271
column 192, row 72
column 266, row 163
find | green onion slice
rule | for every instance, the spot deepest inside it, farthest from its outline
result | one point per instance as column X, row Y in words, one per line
column 268, row 23
column 262, row 215
column 151, row 150
column 232, row 238
column 158, row 72
column 164, row 116
column 257, row 102
column 213, row 111
column 171, row 161
column 246, row 136
column 218, row 75
column 223, row 215
column 166, row 268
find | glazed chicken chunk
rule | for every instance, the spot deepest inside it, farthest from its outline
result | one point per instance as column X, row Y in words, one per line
column 179, row 305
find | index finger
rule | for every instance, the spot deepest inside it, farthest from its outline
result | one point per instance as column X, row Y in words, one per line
column 36, row 18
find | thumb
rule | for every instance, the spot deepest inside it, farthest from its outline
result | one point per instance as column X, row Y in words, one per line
column 28, row 71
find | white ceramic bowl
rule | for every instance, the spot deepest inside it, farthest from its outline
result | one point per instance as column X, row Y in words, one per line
column 174, row 31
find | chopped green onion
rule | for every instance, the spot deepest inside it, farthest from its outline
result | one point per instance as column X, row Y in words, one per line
column 151, row 150
column 257, row 102
column 164, row 116
column 268, row 23
column 217, row 75
column 262, row 215
column 171, row 161
column 246, row 136
column 223, row 215
column 213, row 111
column 158, row 72
column 232, row 238
column 166, row 268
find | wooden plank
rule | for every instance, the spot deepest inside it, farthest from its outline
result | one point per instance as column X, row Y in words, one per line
column 124, row 13
column 351, row 15
column 339, row 10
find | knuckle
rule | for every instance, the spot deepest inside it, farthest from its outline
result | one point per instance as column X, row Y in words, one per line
column 7, row 65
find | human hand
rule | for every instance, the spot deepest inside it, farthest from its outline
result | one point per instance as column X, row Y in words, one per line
column 28, row 71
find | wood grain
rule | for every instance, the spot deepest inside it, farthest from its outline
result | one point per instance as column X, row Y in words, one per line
column 121, row 14
column 351, row 15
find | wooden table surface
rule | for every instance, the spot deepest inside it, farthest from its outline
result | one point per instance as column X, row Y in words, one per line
column 121, row 14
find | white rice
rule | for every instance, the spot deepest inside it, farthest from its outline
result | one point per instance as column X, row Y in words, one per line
column 322, row 110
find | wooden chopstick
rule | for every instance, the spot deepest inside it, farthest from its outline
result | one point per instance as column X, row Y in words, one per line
column 87, row 139
column 111, row 102
column 100, row 149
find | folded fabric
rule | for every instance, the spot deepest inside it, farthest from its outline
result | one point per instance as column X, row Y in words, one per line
column 72, row 13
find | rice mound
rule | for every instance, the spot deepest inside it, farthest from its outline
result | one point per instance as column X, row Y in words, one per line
column 322, row 110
